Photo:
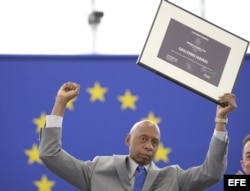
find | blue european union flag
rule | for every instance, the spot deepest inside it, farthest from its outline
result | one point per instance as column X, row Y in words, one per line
column 115, row 93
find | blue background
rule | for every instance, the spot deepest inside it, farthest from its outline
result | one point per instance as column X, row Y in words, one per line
column 28, row 88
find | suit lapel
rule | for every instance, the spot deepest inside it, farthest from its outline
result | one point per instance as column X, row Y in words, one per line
column 151, row 176
column 121, row 168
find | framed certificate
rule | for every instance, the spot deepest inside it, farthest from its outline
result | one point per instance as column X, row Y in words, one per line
column 193, row 52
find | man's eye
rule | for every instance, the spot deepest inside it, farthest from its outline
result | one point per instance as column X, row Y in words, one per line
column 155, row 143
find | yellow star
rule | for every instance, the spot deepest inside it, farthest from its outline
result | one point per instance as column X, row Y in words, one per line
column 97, row 92
column 162, row 153
column 39, row 122
column 33, row 154
column 44, row 184
column 151, row 117
column 128, row 100
column 70, row 105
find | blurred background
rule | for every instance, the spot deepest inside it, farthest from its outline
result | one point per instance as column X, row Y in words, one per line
column 62, row 27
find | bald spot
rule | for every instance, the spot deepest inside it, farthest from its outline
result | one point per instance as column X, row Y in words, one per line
column 145, row 123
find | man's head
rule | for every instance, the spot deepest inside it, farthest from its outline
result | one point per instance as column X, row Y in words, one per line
column 245, row 162
column 143, row 140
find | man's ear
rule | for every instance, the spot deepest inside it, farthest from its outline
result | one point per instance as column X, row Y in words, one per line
column 127, row 140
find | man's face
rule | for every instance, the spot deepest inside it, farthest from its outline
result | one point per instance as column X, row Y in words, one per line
column 143, row 142
column 245, row 163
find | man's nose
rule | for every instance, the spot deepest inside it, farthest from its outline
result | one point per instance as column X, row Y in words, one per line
column 148, row 145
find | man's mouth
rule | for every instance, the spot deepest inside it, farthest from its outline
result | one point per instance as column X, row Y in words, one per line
column 145, row 156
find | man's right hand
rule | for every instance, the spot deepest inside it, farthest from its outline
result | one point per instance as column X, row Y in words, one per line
column 66, row 92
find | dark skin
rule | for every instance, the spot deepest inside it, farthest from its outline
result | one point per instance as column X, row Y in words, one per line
column 143, row 141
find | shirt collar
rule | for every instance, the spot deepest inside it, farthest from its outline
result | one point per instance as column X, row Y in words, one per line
column 132, row 165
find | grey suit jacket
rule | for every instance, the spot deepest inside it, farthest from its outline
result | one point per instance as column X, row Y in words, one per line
column 109, row 173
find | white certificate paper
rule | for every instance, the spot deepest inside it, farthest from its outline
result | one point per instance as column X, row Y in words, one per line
column 193, row 52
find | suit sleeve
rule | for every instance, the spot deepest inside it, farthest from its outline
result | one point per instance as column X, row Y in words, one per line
column 210, row 172
column 60, row 162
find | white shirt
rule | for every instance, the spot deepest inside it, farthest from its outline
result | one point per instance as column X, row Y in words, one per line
column 131, row 166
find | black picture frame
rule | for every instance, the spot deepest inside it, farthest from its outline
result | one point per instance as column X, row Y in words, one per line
column 193, row 52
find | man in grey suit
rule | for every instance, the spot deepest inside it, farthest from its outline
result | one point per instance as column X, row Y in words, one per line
column 117, row 172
